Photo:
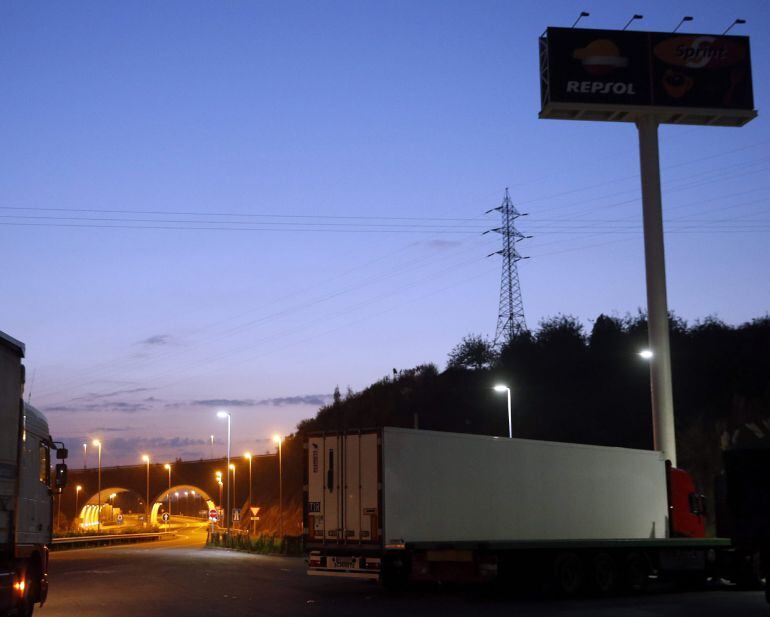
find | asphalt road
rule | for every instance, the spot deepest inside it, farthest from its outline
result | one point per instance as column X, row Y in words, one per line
column 182, row 578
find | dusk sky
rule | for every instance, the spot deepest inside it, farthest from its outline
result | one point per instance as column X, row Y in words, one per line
column 242, row 205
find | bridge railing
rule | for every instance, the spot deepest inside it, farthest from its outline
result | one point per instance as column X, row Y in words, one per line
column 104, row 539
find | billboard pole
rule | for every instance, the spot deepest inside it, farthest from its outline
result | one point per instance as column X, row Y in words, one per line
column 657, row 305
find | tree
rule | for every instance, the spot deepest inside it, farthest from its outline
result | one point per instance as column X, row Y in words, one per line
column 474, row 352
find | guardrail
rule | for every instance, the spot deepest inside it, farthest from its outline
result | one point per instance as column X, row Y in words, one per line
column 101, row 540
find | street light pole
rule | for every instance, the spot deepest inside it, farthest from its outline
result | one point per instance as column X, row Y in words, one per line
column 98, row 444
column 235, row 486
column 226, row 414
column 78, row 488
column 146, row 459
column 248, row 456
column 85, row 455
column 168, row 468
column 502, row 388
column 279, row 440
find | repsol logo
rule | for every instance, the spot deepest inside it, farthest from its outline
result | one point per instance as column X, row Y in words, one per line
column 600, row 87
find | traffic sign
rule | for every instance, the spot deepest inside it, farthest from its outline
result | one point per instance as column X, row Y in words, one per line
column 213, row 515
column 166, row 516
column 236, row 515
column 254, row 511
column 120, row 518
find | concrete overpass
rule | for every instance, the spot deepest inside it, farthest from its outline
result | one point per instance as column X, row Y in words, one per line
column 190, row 476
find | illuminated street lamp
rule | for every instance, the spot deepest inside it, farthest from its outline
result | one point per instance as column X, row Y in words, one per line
column 85, row 454
column 146, row 459
column 248, row 457
column 78, row 488
column 646, row 354
column 168, row 468
column 225, row 414
column 502, row 388
column 98, row 444
column 279, row 440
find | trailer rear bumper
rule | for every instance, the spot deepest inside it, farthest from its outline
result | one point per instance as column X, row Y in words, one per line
column 350, row 566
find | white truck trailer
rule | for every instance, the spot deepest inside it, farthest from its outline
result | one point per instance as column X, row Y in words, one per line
column 26, row 488
column 402, row 504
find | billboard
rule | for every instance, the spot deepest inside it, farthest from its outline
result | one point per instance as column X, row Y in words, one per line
column 618, row 75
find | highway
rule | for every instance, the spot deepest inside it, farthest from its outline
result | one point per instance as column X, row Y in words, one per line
column 180, row 577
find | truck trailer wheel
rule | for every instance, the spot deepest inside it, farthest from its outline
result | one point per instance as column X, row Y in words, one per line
column 395, row 572
column 604, row 574
column 636, row 572
column 569, row 573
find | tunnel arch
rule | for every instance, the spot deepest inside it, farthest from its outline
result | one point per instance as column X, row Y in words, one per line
column 89, row 513
column 162, row 498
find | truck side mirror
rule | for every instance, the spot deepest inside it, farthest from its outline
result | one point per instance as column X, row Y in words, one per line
column 60, row 476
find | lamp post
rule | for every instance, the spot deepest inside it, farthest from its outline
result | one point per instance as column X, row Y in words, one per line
column 226, row 414
column 248, row 457
column 168, row 468
column 279, row 440
column 231, row 466
column 98, row 444
column 85, row 455
column 178, row 508
column 146, row 459
column 78, row 488
column 502, row 388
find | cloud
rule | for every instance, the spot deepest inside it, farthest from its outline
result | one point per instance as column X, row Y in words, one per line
column 302, row 399
column 305, row 399
column 126, row 450
column 224, row 402
column 119, row 406
column 157, row 339
column 93, row 396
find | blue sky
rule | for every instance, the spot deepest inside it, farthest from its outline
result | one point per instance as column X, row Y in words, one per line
column 352, row 149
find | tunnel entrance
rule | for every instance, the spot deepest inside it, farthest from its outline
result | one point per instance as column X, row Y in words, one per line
column 183, row 500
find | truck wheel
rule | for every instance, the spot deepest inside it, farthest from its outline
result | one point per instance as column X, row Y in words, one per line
column 568, row 573
column 395, row 573
column 604, row 573
column 636, row 572
column 748, row 574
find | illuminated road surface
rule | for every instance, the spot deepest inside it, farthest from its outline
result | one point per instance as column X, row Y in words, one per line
column 180, row 578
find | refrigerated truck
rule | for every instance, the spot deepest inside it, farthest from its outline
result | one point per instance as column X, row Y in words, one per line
column 26, row 488
column 398, row 504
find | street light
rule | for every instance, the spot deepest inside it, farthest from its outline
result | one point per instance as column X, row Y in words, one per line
column 85, row 454
column 235, row 486
column 279, row 440
column 248, row 457
column 168, row 468
column 98, row 444
column 502, row 388
column 225, row 414
column 146, row 459
column 78, row 488
column 218, row 475
column 646, row 354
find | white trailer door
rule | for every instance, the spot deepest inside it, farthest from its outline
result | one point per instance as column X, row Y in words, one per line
column 332, row 493
column 343, row 490
column 361, row 482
